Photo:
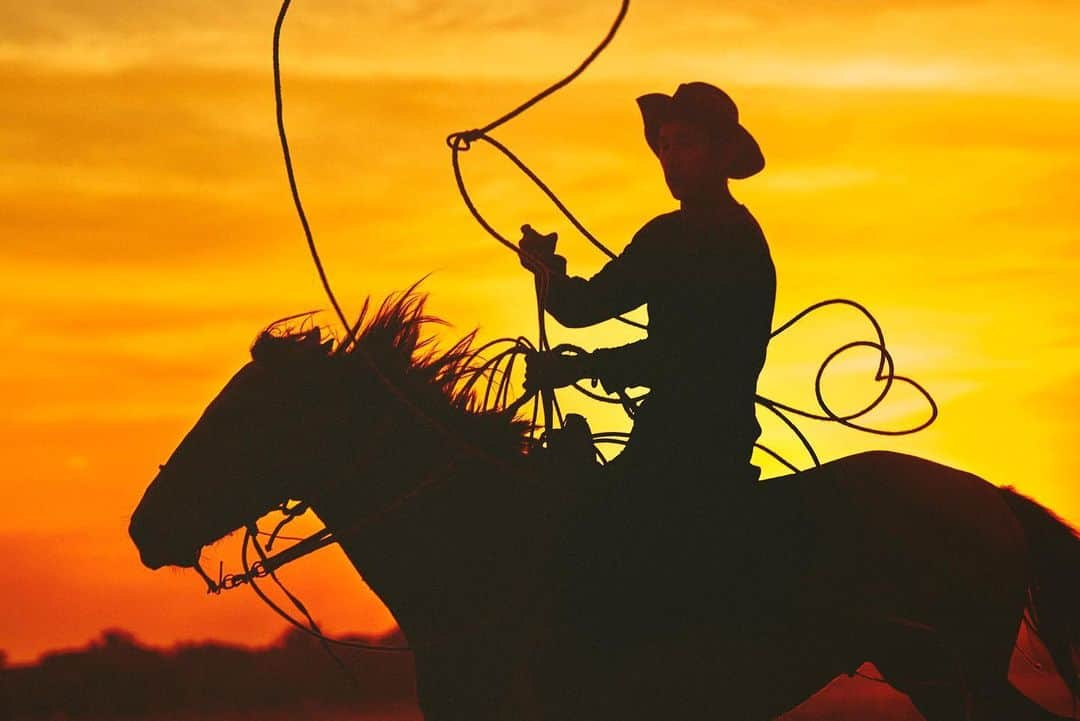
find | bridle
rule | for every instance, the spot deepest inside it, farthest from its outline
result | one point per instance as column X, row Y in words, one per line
column 268, row 563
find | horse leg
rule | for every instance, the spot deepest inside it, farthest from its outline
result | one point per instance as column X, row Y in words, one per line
column 964, row 677
column 952, row 701
column 912, row 663
column 957, row 673
column 985, row 643
column 1004, row 701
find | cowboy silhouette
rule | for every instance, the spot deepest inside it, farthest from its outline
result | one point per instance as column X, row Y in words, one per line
column 705, row 274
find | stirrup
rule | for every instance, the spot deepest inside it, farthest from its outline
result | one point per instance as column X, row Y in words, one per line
column 572, row 444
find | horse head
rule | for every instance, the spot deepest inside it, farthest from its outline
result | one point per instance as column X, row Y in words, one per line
column 254, row 446
column 304, row 420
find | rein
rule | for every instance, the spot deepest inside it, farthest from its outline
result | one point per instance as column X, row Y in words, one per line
column 268, row 563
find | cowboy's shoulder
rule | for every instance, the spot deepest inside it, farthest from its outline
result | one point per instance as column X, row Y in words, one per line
column 656, row 233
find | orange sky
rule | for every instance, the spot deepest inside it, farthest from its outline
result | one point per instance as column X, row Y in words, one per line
column 922, row 158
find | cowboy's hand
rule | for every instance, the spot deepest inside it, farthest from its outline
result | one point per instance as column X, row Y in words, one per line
column 550, row 369
column 537, row 252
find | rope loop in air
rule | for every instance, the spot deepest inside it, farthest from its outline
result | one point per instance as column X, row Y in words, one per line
column 494, row 375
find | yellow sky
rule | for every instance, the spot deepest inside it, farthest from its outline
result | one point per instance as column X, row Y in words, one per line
column 922, row 159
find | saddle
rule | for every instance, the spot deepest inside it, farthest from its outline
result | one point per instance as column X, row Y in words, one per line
column 570, row 448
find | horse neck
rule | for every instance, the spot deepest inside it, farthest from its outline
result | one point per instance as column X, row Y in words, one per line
column 406, row 538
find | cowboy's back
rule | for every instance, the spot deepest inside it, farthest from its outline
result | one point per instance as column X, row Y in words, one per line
column 709, row 284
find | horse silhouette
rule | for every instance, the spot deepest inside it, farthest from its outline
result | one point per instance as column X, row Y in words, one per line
column 924, row 570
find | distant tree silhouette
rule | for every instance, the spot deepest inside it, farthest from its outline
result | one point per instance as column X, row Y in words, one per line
column 295, row 673
column 115, row 676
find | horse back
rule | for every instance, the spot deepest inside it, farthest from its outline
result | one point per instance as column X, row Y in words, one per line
column 881, row 531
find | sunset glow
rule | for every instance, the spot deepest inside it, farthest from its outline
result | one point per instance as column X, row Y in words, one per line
column 922, row 158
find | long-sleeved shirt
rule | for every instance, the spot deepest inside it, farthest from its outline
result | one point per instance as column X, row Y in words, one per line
column 709, row 283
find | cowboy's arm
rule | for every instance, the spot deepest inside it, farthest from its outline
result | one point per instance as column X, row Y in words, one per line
column 616, row 289
column 744, row 284
column 624, row 366
column 578, row 302
column 615, row 368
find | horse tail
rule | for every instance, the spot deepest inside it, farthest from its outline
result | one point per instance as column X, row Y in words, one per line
column 1054, row 585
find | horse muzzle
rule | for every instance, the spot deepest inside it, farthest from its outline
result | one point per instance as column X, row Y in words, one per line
column 156, row 549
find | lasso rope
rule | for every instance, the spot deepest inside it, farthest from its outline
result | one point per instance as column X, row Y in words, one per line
column 461, row 141
column 495, row 374
column 267, row 565
column 279, row 112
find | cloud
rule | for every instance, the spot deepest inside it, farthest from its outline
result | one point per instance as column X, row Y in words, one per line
column 1002, row 43
column 183, row 166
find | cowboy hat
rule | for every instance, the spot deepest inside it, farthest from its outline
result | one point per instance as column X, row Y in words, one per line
column 710, row 107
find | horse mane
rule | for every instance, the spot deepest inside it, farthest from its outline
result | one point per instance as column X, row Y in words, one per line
column 394, row 347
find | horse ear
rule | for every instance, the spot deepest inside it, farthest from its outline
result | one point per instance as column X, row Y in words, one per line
column 270, row 348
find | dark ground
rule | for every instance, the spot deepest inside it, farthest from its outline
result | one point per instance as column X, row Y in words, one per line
column 116, row 677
